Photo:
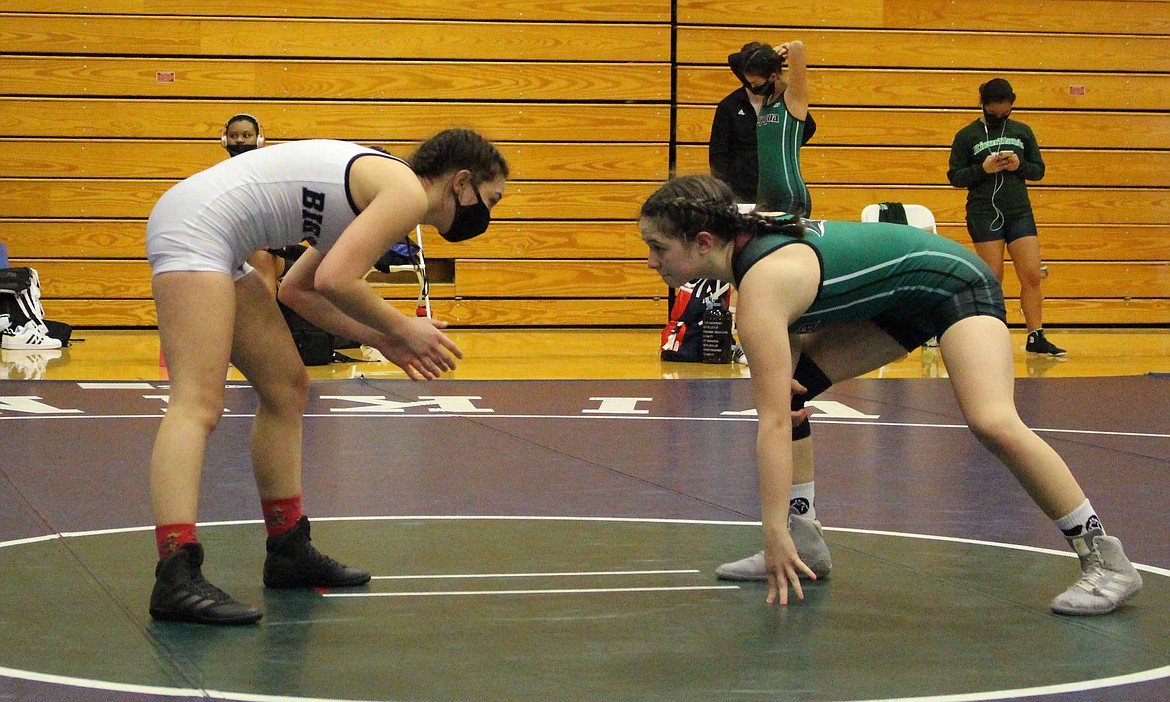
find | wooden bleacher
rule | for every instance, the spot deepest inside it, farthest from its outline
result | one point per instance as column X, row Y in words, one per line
column 583, row 99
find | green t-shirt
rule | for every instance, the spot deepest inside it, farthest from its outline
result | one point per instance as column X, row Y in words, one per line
column 1004, row 191
column 778, row 139
column 872, row 268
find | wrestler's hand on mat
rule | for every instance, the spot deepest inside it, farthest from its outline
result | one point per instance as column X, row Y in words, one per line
column 420, row 349
column 783, row 565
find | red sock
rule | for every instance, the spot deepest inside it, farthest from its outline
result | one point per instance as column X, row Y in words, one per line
column 171, row 537
column 281, row 514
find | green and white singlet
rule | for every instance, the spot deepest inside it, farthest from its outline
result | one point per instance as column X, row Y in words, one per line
column 778, row 139
column 898, row 274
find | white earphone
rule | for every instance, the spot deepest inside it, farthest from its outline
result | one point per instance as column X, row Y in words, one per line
column 223, row 138
column 998, row 182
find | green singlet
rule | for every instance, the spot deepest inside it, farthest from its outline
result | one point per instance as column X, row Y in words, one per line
column 894, row 273
column 778, row 139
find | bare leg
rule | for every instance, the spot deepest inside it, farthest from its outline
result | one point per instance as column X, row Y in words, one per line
column 978, row 355
column 842, row 352
column 195, row 317
column 977, row 351
column 265, row 353
column 195, row 311
column 269, row 267
column 992, row 254
column 1025, row 253
column 803, row 470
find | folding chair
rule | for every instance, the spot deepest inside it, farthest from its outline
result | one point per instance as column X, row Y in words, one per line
column 916, row 216
column 408, row 256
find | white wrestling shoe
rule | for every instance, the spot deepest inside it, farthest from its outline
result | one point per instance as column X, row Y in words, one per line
column 738, row 355
column 1107, row 581
column 28, row 337
column 810, row 546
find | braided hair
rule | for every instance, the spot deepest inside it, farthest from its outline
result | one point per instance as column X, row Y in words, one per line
column 687, row 205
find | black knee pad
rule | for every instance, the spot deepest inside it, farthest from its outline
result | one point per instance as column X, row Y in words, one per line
column 810, row 375
column 802, row 430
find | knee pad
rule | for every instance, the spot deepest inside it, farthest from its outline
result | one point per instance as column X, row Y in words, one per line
column 810, row 375
column 802, row 430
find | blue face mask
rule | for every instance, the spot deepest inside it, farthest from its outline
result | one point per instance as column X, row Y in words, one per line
column 470, row 220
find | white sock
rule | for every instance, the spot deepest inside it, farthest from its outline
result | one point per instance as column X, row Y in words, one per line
column 1080, row 526
column 801, row 501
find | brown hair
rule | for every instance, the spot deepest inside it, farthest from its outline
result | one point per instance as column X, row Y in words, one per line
column 456, row 149
column 687, row 205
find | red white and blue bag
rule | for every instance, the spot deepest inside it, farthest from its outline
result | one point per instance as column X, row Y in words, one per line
column 682, row 335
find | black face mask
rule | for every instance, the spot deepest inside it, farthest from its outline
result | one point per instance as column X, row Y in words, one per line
column 237, row 149
column 765, row 89
column 470, row 220
column 994, row 122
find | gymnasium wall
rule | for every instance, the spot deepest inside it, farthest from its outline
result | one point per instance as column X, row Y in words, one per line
column 104, row 106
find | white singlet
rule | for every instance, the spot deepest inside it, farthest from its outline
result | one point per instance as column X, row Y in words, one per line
column 263, row 199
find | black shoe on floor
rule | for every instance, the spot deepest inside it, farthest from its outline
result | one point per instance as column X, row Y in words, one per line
column 294, row 562
column 1038, row 343
column 182, row 594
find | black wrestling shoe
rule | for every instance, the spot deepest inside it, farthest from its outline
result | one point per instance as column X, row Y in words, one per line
column 182, row 594
column 293, row 562
column 1038, row 343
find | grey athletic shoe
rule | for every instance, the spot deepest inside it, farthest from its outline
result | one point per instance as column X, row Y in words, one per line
column 1107, row 580
column 810, row 546
column 749, row 569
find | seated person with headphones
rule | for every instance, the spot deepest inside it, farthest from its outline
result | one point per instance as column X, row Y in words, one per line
column 242, row 133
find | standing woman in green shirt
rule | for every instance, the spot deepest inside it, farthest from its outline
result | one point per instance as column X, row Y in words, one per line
column 993, row 157
column 780, row 125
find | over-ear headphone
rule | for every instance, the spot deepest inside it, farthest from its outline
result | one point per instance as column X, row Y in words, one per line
column 223, row 139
